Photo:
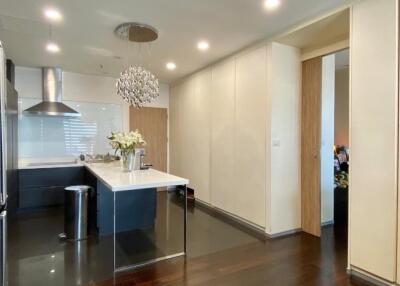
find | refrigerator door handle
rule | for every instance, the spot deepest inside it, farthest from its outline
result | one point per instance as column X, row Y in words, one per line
column 3, row 146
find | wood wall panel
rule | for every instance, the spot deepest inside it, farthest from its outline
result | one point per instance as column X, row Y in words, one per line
column 152, row 124
column 310, row 146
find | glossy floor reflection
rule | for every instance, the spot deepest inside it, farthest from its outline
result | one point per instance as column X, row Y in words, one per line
column 37, row 257
column 295, row 260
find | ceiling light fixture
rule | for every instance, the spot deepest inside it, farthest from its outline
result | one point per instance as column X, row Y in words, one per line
column 203, row 45
column 171, row 66
column 136, row 85
column 52, row 48
column 272, row 4
column 52, row 14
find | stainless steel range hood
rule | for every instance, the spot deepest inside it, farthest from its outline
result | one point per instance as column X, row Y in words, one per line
column 52, row 96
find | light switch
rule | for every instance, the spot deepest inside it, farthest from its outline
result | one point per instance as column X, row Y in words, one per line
column 276, row 142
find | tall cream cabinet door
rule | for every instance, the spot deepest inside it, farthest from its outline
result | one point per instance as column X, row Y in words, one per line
column 373, row 138
column 250, row 136
column 198, row 149
column 223, row 136
column 190, row 132
column 176, row 127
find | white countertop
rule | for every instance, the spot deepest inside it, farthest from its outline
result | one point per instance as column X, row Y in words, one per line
column 116, row 180
column 43, row 163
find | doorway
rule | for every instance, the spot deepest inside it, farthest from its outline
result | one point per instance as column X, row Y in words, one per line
column 325, row 153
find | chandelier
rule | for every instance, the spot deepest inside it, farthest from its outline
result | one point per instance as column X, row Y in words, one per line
column 136, row 85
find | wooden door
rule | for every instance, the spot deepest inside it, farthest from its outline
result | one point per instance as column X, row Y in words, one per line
column 152, row 123
column 310, row 146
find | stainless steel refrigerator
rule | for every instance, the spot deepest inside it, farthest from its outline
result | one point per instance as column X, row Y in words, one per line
column 8, row 157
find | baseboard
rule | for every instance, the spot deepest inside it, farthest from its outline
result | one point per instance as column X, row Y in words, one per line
column 368, row 277
column 236, row 221
column 244, row 225
column 283, row 233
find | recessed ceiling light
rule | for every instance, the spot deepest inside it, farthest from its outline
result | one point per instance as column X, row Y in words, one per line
column 203, row 45
column 171, row 66
column 272, row 4
column 52, row 48
column 52, row 271
column 52, row 14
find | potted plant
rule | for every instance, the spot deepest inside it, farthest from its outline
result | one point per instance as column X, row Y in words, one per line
column 125, row 144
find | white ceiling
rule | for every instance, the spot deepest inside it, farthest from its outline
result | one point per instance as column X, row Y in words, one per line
column 87, row 41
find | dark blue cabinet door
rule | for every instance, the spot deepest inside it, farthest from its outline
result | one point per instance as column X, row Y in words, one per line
column 135, row 209
column 40, row 188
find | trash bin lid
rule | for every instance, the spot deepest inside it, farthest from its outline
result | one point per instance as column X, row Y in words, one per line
column 78, row 189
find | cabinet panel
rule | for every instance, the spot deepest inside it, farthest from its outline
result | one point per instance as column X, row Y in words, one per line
column 45, row 187
column 190, row 132
column 39, row 197
column 50, row 177
column 174, row 129
column 199, row 148
column 373, row 131
column 223, row 136
column 250, row 136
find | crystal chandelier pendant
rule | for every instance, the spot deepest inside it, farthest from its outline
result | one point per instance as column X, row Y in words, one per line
column 136, row 85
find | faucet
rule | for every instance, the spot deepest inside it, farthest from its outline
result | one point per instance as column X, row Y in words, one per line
column 143, row 166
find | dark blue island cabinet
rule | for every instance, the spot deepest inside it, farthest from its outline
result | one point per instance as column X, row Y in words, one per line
column 135, row 209
column 44, row 188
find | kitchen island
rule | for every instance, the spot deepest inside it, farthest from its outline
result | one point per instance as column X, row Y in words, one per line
column 130, row 200
column 122, row 206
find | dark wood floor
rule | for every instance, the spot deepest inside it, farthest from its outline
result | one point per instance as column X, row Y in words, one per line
column 294, row 260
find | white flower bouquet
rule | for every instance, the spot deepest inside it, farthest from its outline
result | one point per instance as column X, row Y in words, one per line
column 125, row 144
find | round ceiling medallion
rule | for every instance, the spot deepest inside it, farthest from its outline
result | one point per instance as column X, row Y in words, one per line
column 136, row 32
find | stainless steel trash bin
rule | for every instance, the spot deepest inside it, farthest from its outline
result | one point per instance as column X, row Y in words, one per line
column 76, row 212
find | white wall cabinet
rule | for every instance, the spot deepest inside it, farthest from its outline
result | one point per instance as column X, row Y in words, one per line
column 250, row 136
column 190, row 132
column 198, row 142
column 223, row 136
column 232, row 101
column 283, row 143
column 373, row 138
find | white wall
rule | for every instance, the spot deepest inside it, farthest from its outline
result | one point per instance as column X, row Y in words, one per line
column 373, row 138
column 81, row 87
column 342, row 100
column 327, row 137
column 91, row 91
column 283, row 143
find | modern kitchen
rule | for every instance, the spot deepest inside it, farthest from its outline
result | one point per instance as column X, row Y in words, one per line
column 152, row 142
column 74, row 159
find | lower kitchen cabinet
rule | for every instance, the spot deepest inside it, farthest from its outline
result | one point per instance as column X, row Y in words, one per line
column 40, row 188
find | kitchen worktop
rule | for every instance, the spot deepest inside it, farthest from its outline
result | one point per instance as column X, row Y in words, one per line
column 111, row 174
column 45, row 163
column 116, row 180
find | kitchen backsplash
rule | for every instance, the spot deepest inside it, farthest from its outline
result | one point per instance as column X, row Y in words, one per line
column 44, row 137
